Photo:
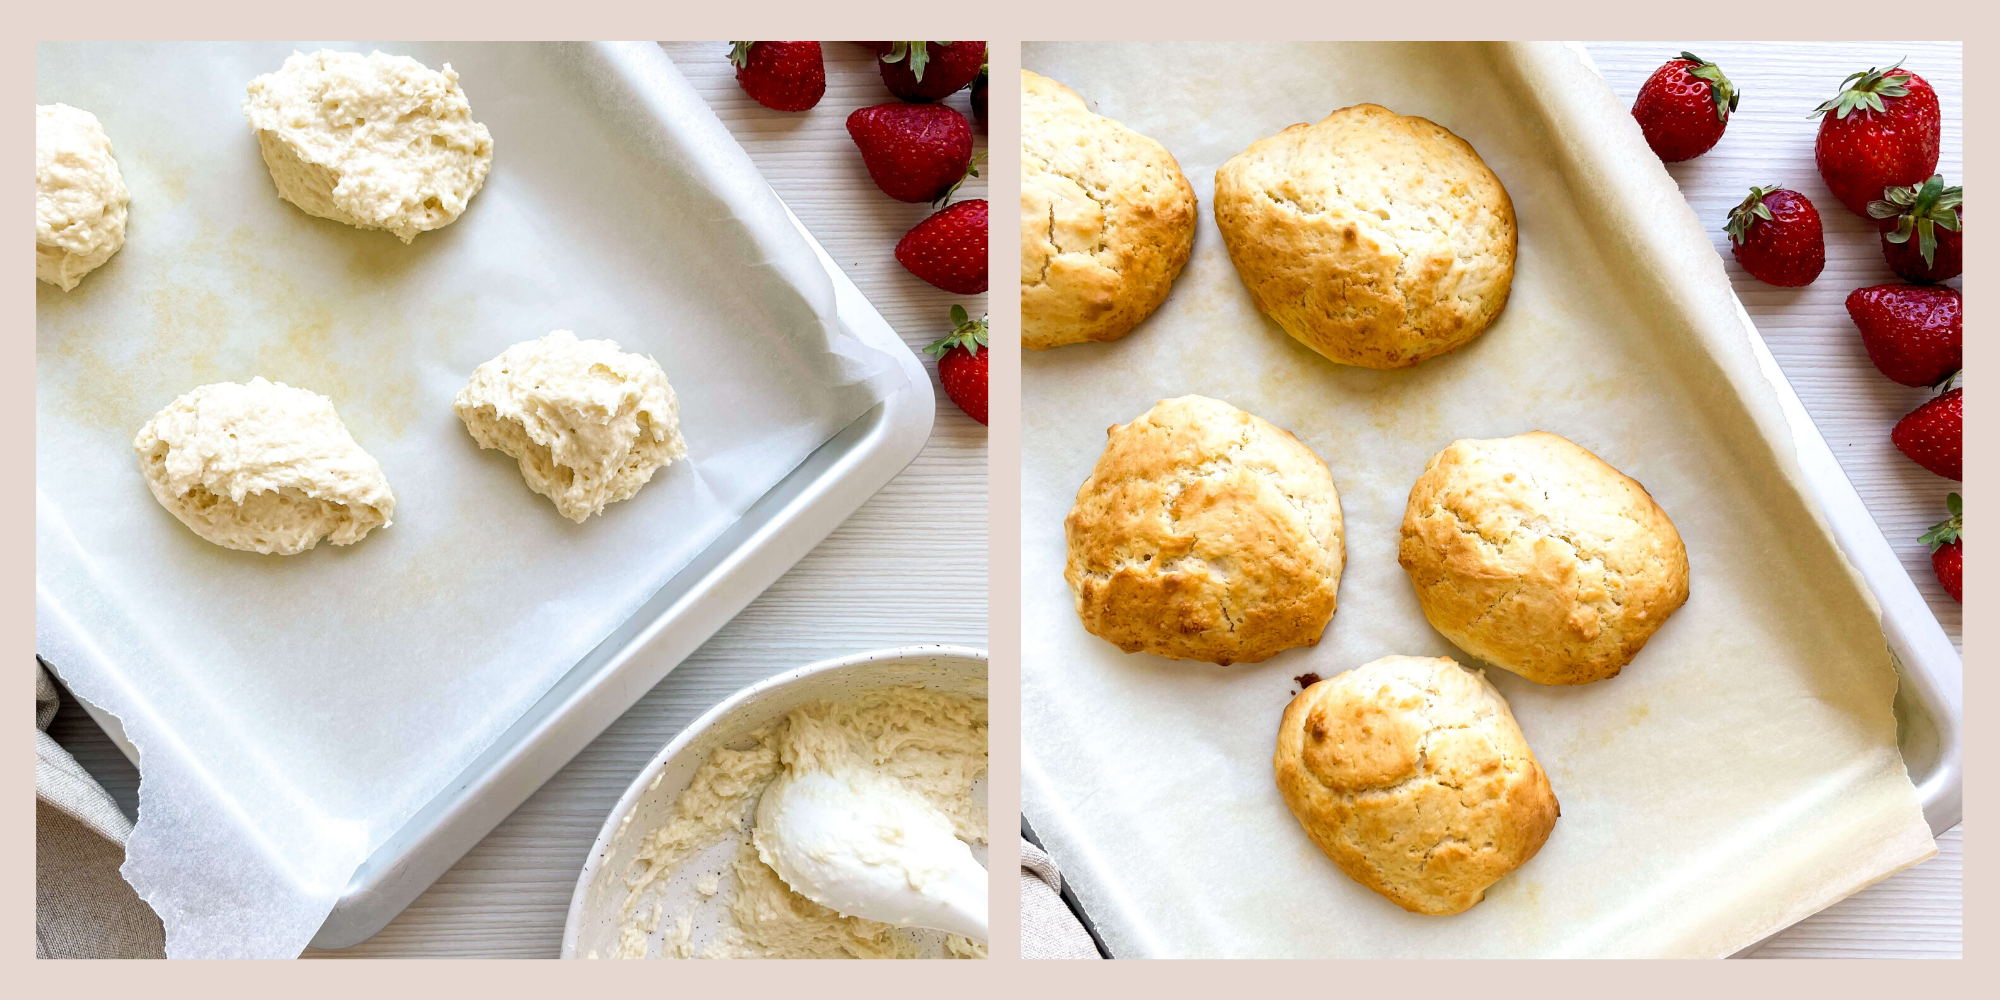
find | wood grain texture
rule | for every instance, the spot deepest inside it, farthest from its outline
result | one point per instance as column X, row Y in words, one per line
column 1917, row 913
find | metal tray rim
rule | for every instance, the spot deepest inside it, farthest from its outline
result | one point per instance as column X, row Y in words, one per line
column 1929, row 668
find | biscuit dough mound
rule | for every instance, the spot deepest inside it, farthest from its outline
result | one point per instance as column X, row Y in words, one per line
column 375, row 141
column 1376, row 239
column 80, row 197
column 262, row 467
column 589, row 423
column 1205, row 533
column 1412, row 775
column 1107, row 220
column 1532, row 554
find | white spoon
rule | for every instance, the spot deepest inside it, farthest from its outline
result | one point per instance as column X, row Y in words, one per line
column 860, row 844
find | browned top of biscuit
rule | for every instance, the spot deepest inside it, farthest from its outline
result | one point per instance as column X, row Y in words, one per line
column 1412, row 775
column 1376, row 239
column 1205, row 533
column 1532, row 554
column 1107, row 220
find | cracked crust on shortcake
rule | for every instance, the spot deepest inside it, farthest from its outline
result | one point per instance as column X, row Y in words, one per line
column 1532, row 554
column 1374, row 238
column 1107, row 220
column 1205, row 533
column 1412, row 775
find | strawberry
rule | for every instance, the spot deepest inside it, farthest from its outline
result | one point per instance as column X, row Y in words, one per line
column 931, row 71
column 1684, row 106
column 949, row 248
column 1932, row 434
column 962, row 357
column 1881, row 131
column 782, row 76
column 1933, row 214
column 1913, row 332
column 1776, row 236
column 979, row 97
column 915, row 152
column 1947, row 547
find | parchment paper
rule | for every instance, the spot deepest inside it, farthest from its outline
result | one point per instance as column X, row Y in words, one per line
column 1739, row 775
column 293, row 712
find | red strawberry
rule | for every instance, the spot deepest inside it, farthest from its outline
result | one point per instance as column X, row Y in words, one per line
column 962, row 357
column 915, row 152
column 931, row 71
column 1932, row 434
column 782, row 76
column 979, row 97
column 1947, row 553
column 1933, row 214
column 1881, row 131
column 1948, row 562
column 949, row 248
column 1913, row 332
column 1684, row 106
column 1776, row 236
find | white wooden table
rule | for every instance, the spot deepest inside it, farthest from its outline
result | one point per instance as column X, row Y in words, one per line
column 1770, row 140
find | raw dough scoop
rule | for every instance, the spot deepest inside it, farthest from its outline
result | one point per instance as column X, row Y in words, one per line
column 855, row 841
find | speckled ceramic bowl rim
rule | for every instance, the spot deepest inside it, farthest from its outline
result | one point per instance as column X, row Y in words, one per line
column 718, row 715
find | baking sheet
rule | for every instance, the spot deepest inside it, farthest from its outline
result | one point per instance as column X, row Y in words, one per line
column 1741, row 774
column 291, row 713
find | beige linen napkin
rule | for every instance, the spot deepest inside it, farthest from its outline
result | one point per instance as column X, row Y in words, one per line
column 1048, row 928
column 83, row 907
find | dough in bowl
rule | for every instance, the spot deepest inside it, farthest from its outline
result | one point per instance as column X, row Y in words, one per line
column 262, row 467
column 1532, row 554
column 1412, row 775
column 1107, row 220
column 374, row 141
column 80, row 197
column 589, row 423
column 1205, row 533
column 927, row 748
column 1376, row 239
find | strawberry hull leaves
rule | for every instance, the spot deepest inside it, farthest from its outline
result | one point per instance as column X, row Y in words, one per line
column 962, row 363
column 1684, row 106
column 1947, row 259
column 1946, row 539
column 1776, row 235
column 1882, row 130
column 971, row 171
column 931, row 71
column 1921, row 223
column 782, row 76
column 1948, row 562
